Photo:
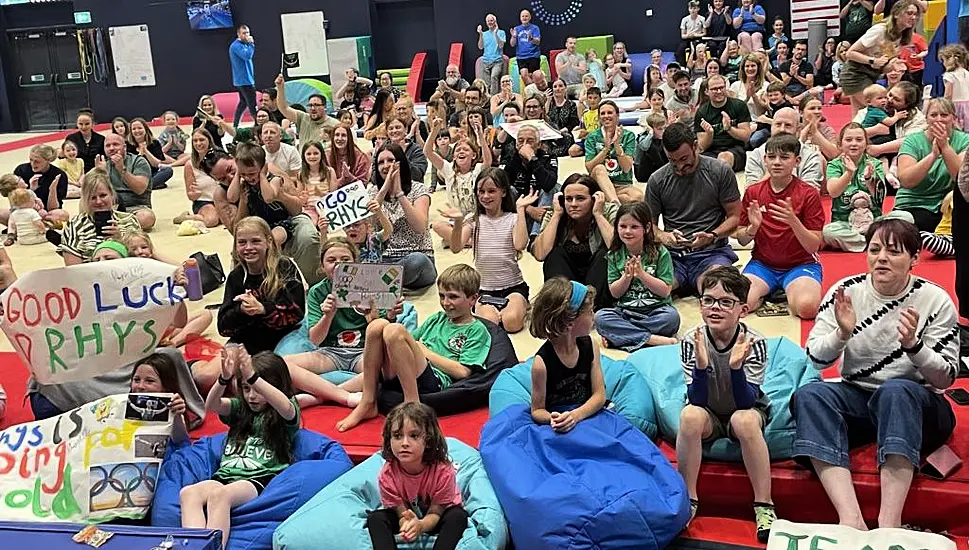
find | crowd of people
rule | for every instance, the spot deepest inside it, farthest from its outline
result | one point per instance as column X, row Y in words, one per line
column 614, row 253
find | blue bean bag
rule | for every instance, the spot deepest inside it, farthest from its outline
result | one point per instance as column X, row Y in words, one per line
column 335, row 519
column 788, row 369
column 318, row 460
column 625, row 387
column 603, row 486
column 298, row 341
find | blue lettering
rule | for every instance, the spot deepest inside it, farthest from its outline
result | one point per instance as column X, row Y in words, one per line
column 151, row 292
column 97, row 300
column 173, row 297
column 5, row 437
column 126, row 295
column 37, row 437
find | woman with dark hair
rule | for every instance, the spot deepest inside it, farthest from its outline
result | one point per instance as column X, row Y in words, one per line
column 824, row 63
column 867, row 58
column 535, row 110
column 383, row 110
column 385, row 81
column 407, row 204
column 219, row 166
column 89, row 143
column 141, row 142
column 576, row 234
column 904, row 96
column 895, row 335
column 350, row 163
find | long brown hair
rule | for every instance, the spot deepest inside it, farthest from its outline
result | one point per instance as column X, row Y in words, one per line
column 196, row 159
column 271, row 368
column 424, row 417
column 352, row 150
column 892, row 33
column 304, row 171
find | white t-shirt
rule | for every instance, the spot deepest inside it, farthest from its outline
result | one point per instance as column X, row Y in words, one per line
column 740, row 89
column 959, row 79
column 692, row 26
column 875, row 44
column 23, row 220
column 286, row 158
column 460, row 187
column 205, row 184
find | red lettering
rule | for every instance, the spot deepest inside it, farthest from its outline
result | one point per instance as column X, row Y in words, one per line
column 13, row 313
column 50, row 301
column 26, row 346
column 60, row 452
column 73, row 302
column 24, row 473
column 10, row 461
column 31, row 299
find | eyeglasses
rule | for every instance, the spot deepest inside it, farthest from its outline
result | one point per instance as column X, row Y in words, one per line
column 311, row 105
column 724, row 303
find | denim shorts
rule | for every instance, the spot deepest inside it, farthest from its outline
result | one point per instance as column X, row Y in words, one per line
column 781, row 278
column 344, row 359
column 687, row 267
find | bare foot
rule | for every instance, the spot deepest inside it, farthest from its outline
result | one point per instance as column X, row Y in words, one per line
column 362, row 412
column 660, row 341
column 605, row 343
column 353, row 399
column 305, row 400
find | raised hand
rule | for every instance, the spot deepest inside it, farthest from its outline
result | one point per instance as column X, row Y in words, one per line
column 34, row 182
column 754, row 215
column 525, row 201
column 702, row 357
column 849, row 164
column 598, row 202
column 557, row 203
column 100, row 162
column 279, row 81
column 740, row 351
column 451, row 213
column 844, row 313
column 908, row 324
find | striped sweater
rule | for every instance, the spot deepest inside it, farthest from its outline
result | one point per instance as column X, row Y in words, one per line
column 873, row 353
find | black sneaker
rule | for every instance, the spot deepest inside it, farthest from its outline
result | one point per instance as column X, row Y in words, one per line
column 157, row 186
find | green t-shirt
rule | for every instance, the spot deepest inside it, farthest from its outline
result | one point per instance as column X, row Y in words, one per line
column 639, row 298
column 738, row 112
column 874, row 186
column 873, row 117
column 594, row 145
column 245, row 135
column 467, row 344
column 931, row 190
column 253, row 459
column 348, row 328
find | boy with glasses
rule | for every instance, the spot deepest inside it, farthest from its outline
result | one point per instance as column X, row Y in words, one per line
column 724, row 363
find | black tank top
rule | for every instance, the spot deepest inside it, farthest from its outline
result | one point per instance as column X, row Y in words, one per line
column 564, row 386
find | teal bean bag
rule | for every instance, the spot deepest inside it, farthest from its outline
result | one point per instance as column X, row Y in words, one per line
column 298, row 341
column 335, row 519
column 788, row 369
column 625, row 388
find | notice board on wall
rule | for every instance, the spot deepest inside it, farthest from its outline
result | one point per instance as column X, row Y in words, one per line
column 304, row 33
column 131, row 54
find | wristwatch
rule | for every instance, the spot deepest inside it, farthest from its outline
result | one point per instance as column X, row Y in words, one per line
column 871, row 62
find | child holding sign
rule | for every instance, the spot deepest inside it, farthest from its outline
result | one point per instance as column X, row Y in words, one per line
column 451, row 345
column 500, row 223
column 459, row 174
column 263, row 423
column 157, row 374
column 369, row 243
column 339, row 332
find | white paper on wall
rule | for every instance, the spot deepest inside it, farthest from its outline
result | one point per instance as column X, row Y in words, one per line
column 131, row 54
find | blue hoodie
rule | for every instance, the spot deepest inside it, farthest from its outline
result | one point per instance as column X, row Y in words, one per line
column 240, row 55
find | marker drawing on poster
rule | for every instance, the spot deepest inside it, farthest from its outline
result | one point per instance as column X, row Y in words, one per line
column 344, row 206
column 357, row 285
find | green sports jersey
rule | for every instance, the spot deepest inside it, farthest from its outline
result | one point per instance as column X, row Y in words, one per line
column 638, row 297
column 594, row 145
column 873, row 185
column 253, row 459
column 348, row 328
column 467, row 344
column 928, row 194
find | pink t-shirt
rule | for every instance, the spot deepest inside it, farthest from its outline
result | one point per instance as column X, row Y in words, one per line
column 437, row 484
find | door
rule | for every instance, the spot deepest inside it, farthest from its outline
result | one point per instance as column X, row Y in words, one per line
column 34, row 74
column 69, row 82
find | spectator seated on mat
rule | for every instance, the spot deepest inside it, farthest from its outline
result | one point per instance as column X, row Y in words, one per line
column 609, row 154
column 451, row 345
column 722, row 125
column 723, row 364
column 130, row 176
column 683, row 101
column 337, row 334
column 808, row 169
column 313, row 126
column 898, row 342
column 336, row 517
column 609, row 485
column 316, row 461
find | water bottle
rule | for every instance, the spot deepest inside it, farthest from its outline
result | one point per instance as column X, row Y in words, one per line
column 194, row 276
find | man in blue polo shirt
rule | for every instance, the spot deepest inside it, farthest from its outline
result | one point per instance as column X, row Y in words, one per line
column 240, row 56
column 526, row 38
column 492, row 41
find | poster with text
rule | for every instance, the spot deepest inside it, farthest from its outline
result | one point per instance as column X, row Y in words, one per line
column 545, row 132
column 73, row 323
column 787, row 535
column 95, row 463
column 344, row 206
column 357, row 285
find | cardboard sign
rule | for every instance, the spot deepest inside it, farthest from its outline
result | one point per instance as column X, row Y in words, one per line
column 344, row 206
column 545, row 132
column 786, row 535
column 356, row 285
column 95, row 463
column 73, row 323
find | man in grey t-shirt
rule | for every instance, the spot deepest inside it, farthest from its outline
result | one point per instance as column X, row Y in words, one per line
column 699, row 201
column 570, row 66
column 130, row 177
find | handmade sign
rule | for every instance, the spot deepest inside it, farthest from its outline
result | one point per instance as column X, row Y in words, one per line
column 344, row 206
column 95, row 463
column 786, row 535
column 356, row 285
column 545, row 132
column 73, row 323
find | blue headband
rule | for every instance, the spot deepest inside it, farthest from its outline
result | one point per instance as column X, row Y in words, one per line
column 579, row 291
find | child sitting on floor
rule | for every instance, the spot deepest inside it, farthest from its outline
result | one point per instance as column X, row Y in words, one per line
column 25, row 225
column 640, row 273
column 724, row 363
column 940, row 242
column 418, row 484
column 567, row 380
column 783, row 217
column 73, row 167
column 451, row 345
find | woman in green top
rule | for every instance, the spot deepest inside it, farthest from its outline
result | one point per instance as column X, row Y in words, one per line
column 854, row 171
column 928, row 164
column 609, row 156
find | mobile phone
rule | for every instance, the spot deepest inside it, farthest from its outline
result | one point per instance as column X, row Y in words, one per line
column 959, row 395
column 495, row 301
column 101, row 220
column 562, row 201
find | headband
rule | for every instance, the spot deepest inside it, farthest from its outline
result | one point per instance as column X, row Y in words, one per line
column 113, row 245
column 579, row 291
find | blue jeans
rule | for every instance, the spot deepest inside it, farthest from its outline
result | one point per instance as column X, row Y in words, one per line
column 247, row 98
column 161, row 177
column 904, row 417
column 759, row 137
column 42, row 407
column 419, row 270
column 629, row 330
